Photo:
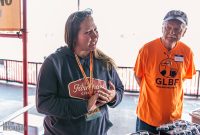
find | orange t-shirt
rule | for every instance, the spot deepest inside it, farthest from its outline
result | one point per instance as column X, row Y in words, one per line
column 162, row 73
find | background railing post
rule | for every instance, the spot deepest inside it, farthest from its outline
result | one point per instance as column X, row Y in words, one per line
column 36, row 74
column 6, row 70
column 198, row 84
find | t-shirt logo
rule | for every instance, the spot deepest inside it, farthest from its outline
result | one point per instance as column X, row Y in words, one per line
column 168, row 68
column 79, row 89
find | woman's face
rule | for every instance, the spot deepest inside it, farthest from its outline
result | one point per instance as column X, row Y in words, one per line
column 87, row 36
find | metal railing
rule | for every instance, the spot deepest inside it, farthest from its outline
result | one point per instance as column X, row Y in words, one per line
column 7, row 125
column 12, row 71
column 191, row 86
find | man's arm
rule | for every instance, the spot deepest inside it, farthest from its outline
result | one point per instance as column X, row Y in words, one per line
column 138, row 79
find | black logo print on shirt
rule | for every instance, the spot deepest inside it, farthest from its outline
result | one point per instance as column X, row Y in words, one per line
column 168, row 68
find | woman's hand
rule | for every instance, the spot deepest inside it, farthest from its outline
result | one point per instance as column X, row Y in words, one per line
column 92, row 102
column 106, row 95
column 102, row 97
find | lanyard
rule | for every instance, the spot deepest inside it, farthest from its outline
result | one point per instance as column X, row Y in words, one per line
column 89, row 83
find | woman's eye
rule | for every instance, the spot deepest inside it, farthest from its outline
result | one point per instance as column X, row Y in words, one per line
column 91, row 32
column 88, row 32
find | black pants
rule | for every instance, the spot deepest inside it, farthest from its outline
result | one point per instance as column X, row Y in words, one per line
column 142, row 126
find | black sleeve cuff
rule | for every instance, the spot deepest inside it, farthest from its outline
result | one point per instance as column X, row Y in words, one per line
column 78, row 108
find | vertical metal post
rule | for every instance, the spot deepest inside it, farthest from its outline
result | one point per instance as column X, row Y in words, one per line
column 25, row 82
column 36, row 73
column 6, row 70
column 198, row 84
column 78, row 5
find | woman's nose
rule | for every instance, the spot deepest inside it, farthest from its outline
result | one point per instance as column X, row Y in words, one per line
column 94, row 34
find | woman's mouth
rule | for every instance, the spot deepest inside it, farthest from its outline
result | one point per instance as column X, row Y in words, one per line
column 93, row 43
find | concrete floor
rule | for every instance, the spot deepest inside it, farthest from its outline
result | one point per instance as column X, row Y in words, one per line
column 123, row 116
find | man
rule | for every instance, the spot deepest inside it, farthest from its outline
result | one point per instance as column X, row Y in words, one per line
column 161, row 67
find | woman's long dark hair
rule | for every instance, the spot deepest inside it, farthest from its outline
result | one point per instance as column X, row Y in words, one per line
column 72, row 28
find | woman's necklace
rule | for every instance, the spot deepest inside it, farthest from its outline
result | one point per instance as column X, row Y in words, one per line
column 90, row 82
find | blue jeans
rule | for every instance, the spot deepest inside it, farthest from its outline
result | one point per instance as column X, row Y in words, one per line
column 142, row 126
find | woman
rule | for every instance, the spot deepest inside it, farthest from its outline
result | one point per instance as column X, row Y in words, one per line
column 78, row 82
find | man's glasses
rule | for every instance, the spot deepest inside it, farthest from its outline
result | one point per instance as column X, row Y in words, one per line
column 175, row 30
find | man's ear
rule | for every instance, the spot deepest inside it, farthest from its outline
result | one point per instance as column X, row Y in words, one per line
column 163, row 28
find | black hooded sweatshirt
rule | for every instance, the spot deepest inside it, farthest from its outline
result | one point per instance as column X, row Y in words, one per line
column 65, row 115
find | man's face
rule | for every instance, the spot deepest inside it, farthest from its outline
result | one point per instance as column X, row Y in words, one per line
column 173, row 30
